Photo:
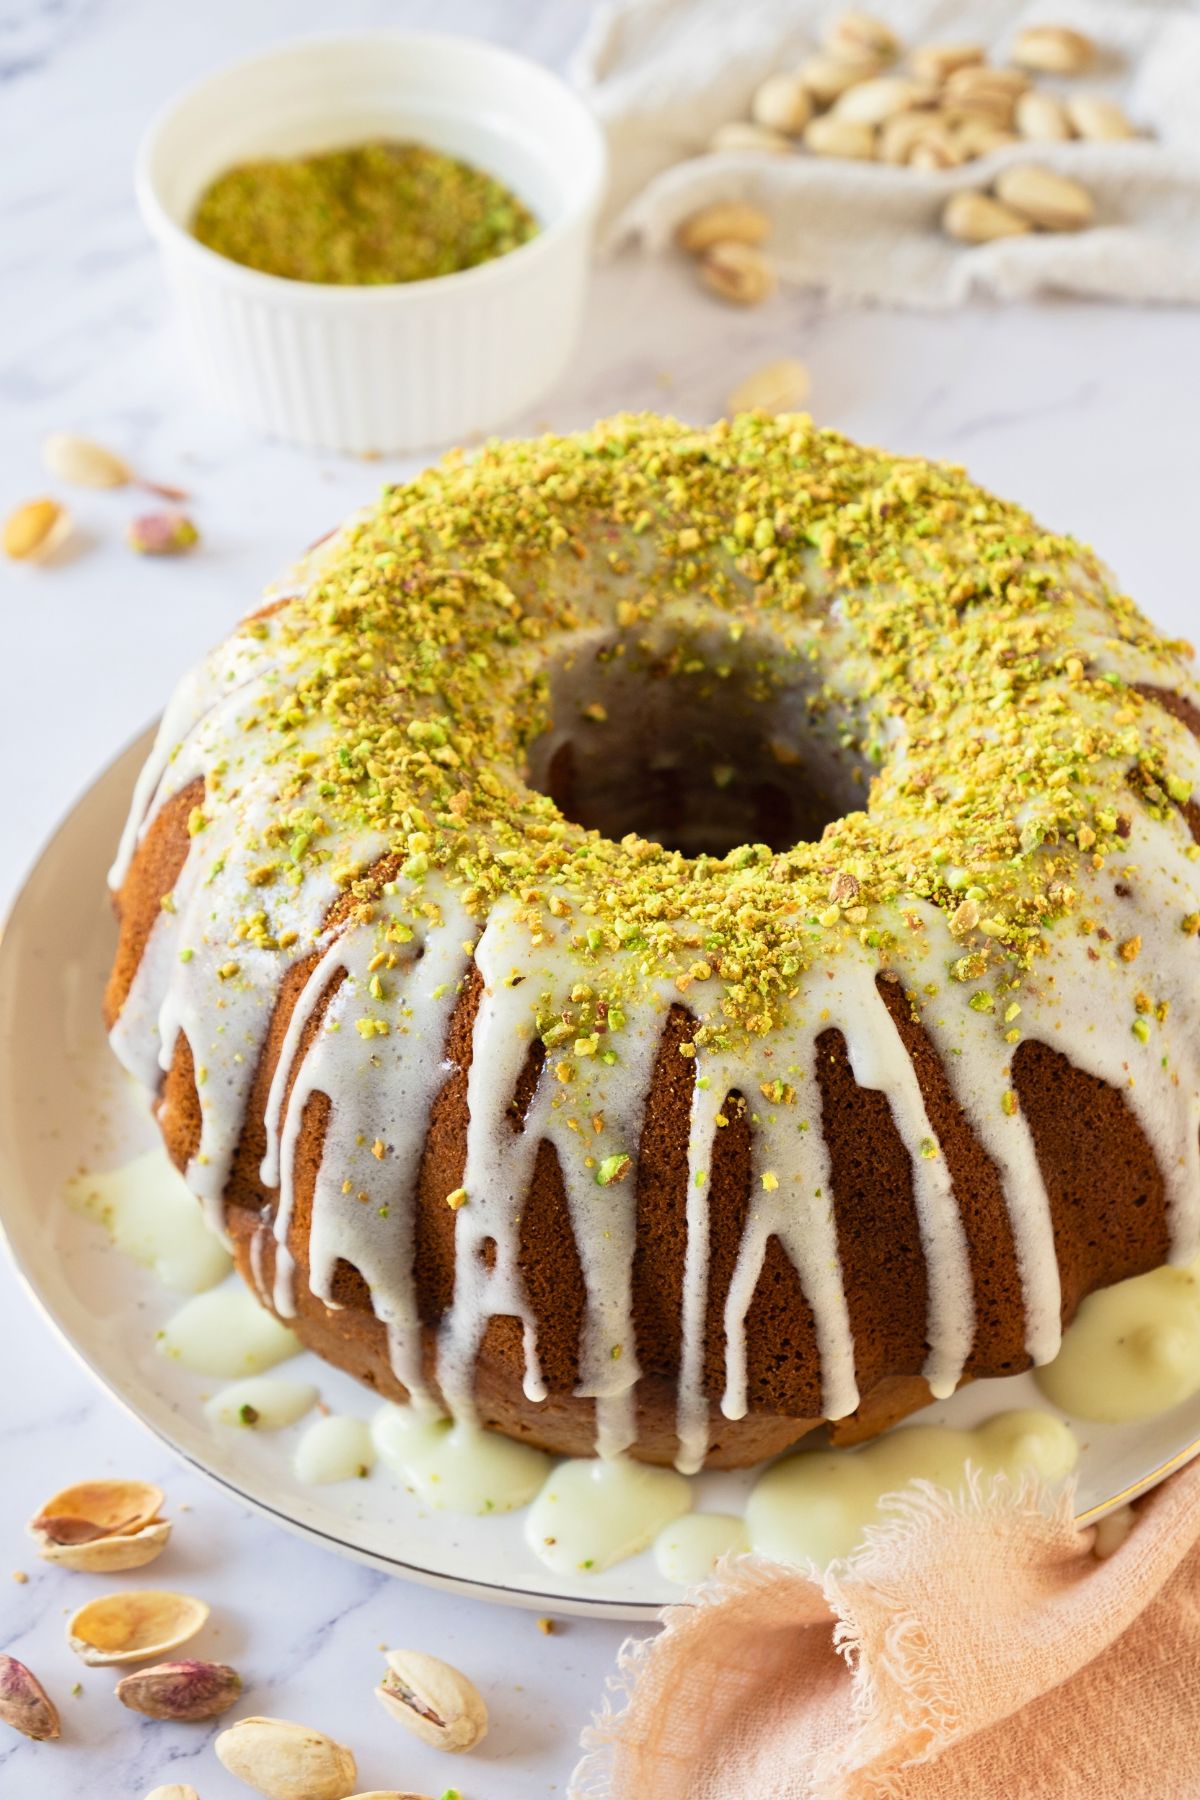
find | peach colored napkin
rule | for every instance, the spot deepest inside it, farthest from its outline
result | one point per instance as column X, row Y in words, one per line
column 973, row 1649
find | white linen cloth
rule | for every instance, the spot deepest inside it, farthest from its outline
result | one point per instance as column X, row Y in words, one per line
column 663, row 74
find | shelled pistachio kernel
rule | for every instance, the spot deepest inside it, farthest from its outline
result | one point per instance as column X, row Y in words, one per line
column 1053, row 50
column 739, row 273
column 1045, row 198
column 24, row 1702
column 724, row 221
column 161, row 534
column 978, row 219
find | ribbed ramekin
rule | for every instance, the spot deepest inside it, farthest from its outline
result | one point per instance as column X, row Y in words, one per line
column 390, row 368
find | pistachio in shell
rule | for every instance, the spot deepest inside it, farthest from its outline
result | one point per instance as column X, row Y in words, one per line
column 286, row 1761
column 187, row 1690
column 102, row 1526
column 134, row 1626
column 173, row 1790
column 433, row 1700
column 24, row 1702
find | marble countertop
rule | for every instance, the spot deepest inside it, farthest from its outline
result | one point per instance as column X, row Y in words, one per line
column 1075, row 409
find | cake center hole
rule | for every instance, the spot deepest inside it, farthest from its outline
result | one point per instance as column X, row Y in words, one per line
column 694, row 757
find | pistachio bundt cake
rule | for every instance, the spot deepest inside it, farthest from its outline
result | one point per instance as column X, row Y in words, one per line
column 667, row 936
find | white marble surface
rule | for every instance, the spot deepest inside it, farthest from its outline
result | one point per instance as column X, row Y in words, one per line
column 1081, row 411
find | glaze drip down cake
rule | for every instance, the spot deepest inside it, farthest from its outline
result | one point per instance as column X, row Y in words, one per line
column 663, row 937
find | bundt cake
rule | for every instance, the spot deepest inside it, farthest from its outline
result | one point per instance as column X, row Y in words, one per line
column 665, row 936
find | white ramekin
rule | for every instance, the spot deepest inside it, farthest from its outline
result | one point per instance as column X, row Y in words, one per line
column 380, row 368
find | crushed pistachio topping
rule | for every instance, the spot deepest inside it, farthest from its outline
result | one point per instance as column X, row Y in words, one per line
column 373, row 213
column 930, row 630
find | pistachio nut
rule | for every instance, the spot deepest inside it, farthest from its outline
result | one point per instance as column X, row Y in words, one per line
column 24, row 1702
column 180, row 1690
column 737, row 272
column 1042, row 117
column 1096, row 117
column 730, row 221
column 826, row 77
column 161, row 534
column 78, row 459
column 435, row 1701
column 978, row 219
column 934, row 62
column 778, row 387
column 134, row 1625
column 35, row 529
column 1053, row 50
column 740, row 134
column 936, row 149
column 1053, row 201
column 782, row 103
column 174, row 1790
column 977, row 137
column 853, row 34
column 831, row 136
column 285, row 1761
column 871, row 102
column 899, row 134
column 981, row 92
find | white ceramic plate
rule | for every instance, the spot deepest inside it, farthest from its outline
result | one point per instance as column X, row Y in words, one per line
column 64, row 1104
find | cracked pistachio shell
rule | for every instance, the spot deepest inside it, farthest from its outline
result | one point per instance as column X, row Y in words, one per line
column 95, row 1509
column 434, row 1700
column 853, row 34
column 111, row 1555
column 286, row 1761
column 88, row 464
column 174, row 1790
column 24, row 1702
column 180, row 1690
column 134, row 1625
column 102, row 1526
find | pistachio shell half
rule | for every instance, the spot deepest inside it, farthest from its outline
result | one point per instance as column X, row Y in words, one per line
column 174, row 1790
column 134, row 1626
column 180, row 1690
column 95, row 1509
column 285, row 1761
column 111, row 1555
column 102, row 1526
column 434, row 1700
column 24, row 1702
column 35, row 529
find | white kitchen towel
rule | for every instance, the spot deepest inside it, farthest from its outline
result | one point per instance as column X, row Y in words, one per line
column 663, row 74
